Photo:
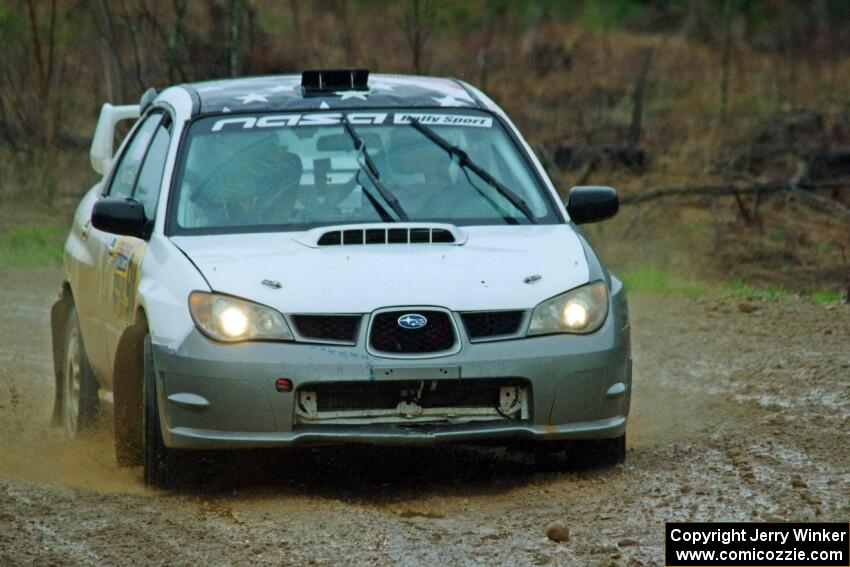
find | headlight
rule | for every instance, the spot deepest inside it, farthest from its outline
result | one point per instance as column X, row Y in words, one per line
column 582, row 310
column 228, row 319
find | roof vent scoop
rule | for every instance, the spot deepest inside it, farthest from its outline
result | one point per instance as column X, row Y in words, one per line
column 320, row 81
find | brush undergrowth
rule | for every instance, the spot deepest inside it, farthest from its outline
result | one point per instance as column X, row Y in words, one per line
column 657, row 281
column 32, row 245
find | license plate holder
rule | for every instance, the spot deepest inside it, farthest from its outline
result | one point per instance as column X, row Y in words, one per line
column 415, row 372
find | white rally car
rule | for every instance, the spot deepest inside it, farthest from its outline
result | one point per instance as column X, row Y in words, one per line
column 334, row 258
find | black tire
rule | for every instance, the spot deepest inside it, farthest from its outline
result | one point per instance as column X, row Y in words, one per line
column 164, row 467
column 161, row 464
column 80, row 405
column 127, row 390
column 548, row 456
column 597, row 453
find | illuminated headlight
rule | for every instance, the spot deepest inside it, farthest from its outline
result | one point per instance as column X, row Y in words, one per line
column 581, row 310
column 228, row 319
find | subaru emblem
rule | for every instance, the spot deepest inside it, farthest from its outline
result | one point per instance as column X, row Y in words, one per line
column 412, row 321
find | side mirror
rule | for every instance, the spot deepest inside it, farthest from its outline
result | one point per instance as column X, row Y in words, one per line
column 592, row 203
column 104, row 134
column 120, row 215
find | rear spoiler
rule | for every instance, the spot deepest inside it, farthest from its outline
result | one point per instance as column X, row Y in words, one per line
column 101, row 146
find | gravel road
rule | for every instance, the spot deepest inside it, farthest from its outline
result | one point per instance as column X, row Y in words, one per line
column 738, row 414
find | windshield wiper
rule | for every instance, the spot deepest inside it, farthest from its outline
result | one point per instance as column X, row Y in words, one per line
column 465, row 161
column 372, row 171
column 376, row 204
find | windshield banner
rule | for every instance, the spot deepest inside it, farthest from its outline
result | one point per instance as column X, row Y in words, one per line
column 444, row 119
column 355, row 118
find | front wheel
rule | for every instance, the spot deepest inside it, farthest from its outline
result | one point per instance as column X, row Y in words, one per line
column 79, row 386
column 160, row 463
column 597, row 453
column 164, row 467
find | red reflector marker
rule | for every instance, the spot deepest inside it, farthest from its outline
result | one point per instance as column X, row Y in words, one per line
column 283, row 385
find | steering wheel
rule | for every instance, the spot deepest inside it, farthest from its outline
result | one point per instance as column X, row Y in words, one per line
column 274, row 201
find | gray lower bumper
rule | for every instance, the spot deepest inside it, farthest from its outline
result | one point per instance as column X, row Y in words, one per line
column 183, row 437
column 224, row 396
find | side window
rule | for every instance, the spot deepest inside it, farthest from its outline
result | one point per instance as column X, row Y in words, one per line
column 150, row 177
column 131, row 159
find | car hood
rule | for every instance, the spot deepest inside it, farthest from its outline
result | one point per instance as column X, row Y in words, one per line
column 495, row 268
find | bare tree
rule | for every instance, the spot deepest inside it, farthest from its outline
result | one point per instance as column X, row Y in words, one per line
column 727, row 59
column 638, row 95
column 133, row 24
column 254, row 35
column 349, row 42
column 298, row 20
column 43, row 47
column 5, row 123
column 418, row 25
column 494, row 18
column 113, row 70
column 173, row 37
column 234, row 38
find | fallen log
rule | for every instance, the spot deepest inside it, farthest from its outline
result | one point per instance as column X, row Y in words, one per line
column 802, row 190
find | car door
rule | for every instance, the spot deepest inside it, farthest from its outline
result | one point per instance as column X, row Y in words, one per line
column 125, row 255
column 83, row 251
column 120, row 184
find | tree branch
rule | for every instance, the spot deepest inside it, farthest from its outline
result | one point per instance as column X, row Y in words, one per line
column 36, row 41
column 706, row 190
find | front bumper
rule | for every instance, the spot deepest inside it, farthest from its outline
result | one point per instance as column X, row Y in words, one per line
column 214, row 396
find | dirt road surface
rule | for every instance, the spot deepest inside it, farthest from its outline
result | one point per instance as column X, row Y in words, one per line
column 736, row 416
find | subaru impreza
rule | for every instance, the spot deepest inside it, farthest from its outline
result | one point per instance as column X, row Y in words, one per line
column 334, row 258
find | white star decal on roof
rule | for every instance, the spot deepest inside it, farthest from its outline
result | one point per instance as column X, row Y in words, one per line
column 252, row 97
column 449, row 101
column 324, row 105
column 343, row 95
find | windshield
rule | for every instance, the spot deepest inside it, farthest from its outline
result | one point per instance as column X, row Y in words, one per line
column 297, row 171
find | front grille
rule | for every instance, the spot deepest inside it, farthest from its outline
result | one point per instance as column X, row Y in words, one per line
column 488, row 324
column 435, row 336
column 327, row 327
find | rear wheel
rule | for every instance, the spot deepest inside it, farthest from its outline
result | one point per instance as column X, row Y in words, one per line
column 79, row 386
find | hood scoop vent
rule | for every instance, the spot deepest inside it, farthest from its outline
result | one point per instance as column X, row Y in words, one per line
column 385, row 233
